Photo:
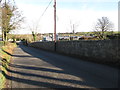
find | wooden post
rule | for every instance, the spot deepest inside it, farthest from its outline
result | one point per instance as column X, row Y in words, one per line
column 55, row 20
column 55, row 24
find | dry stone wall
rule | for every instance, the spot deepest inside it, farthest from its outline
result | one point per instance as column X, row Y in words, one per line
column 103, row 51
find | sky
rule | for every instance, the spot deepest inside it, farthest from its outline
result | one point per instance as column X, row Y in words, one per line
column 82, row 13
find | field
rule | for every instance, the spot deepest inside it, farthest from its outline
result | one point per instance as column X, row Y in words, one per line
column 40, row 36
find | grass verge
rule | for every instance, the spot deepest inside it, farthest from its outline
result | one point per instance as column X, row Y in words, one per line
column 6, row 55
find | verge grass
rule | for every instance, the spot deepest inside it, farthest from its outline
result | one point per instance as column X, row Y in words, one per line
column 5, row 54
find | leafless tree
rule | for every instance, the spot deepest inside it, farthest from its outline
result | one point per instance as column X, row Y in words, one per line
column 103, row 25
column 34, row 27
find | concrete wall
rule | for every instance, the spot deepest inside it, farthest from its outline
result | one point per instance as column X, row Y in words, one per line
column 103, row 51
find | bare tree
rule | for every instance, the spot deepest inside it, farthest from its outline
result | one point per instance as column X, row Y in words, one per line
column 34, row 29
column 103, row 25
column 11, row 19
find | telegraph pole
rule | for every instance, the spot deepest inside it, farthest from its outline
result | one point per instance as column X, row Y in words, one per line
column 55, row 21
column 55, row 24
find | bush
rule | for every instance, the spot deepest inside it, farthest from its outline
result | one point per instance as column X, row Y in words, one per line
column 114, row 36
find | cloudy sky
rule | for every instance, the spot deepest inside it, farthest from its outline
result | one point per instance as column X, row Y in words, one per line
column 83, row 13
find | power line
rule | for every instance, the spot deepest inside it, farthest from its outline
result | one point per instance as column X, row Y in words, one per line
column 44, row 11
column 43, row 14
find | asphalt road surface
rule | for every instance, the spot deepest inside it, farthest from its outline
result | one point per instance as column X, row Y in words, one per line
column 34, row 68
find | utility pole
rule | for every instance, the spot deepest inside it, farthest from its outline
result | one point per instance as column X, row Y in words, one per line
column 55, row 25
column 55, row 21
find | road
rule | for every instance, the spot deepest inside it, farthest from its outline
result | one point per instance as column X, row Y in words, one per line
column 33, row 68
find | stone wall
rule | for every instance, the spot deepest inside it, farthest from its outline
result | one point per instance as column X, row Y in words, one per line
column 103, row 51
column 43, row 45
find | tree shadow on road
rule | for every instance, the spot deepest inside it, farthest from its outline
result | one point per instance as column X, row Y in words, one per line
column 36, row 68
column 47, row 58
column 32, row 82
column 37, row 83
column 22, row 56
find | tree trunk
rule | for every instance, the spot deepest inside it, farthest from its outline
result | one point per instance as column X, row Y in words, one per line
column 5, row 36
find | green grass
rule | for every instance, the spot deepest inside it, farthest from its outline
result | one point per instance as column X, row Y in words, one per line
column 1, row 44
